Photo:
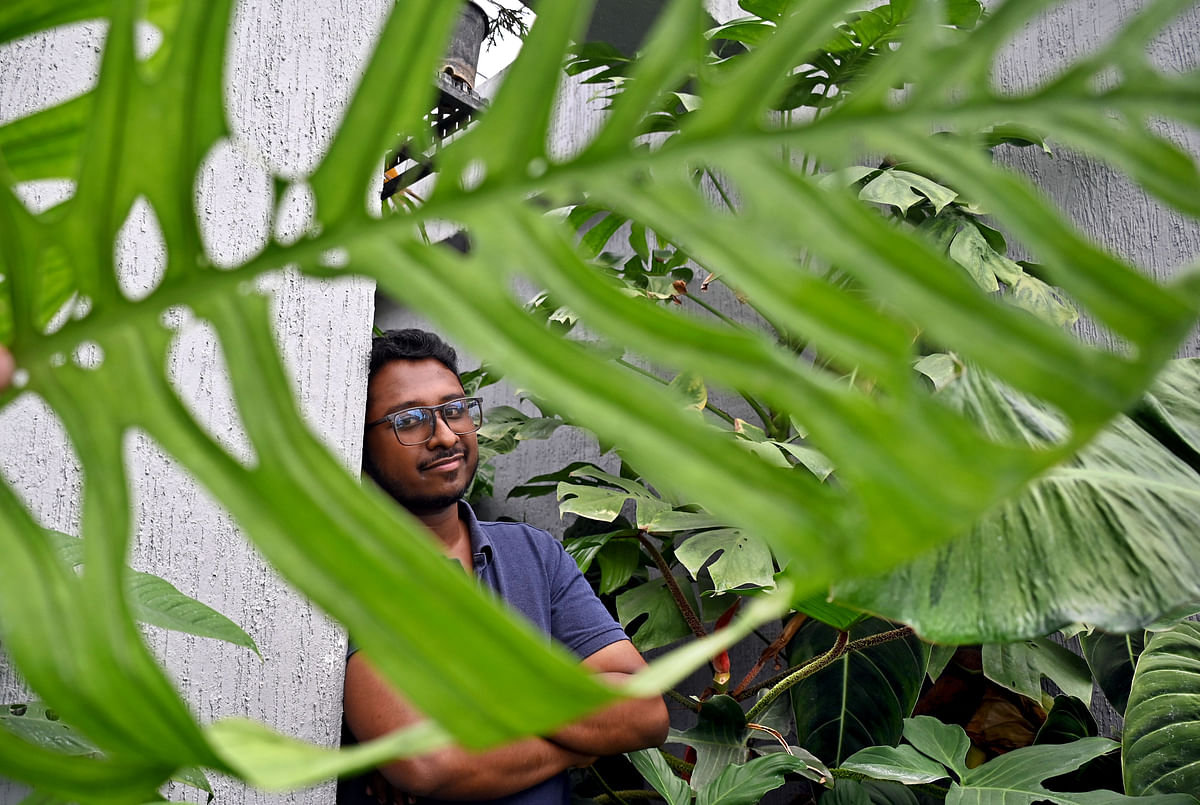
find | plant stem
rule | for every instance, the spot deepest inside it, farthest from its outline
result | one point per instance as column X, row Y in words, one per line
column 761, row 412
column 685, row 608
column 771, row 651
column 676, row 696
column 714, row 311
column 857, row 645
column 647, row 373
column 615, row 795
column 805, row 671
column 677, row 764
column 879, row 639
column 712, row 177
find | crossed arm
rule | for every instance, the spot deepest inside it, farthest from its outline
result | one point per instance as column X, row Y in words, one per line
column 373, row 708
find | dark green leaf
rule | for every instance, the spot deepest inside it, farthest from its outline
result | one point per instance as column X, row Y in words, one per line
column 746, row 784
column 860, row 700
column 650, row 764
column 719, row 739
column 829, row 613
column 1112, row 659
column 901, row 764
column 868, row 792
column 1068, row 720
column 653, row 614
column 1020, row 667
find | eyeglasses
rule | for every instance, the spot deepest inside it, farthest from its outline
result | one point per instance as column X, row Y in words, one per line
column 414, row 426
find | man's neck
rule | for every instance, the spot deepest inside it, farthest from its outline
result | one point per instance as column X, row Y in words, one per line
column 451, row 532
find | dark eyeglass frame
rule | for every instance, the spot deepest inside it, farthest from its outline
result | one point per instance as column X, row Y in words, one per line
column 474, row 419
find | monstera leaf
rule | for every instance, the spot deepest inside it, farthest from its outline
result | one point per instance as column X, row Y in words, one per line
column 87, row 348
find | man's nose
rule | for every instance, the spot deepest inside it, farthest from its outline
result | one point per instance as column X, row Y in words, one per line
column 442, row 435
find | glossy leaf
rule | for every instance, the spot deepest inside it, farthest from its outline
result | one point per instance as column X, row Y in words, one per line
column 741, row 560
column 1125, row 509
column 719, row 739
column 869, row 792
column 1016, row 778
column 862, row 699
column 830, row 613
column 1069, row 719
column 746, row 784
column 1161, row 739
column 650, row 764
column 900, row 764
column 946, row 743
column 1020, row 667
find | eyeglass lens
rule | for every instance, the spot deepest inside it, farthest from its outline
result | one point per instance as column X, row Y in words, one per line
column 417, row 425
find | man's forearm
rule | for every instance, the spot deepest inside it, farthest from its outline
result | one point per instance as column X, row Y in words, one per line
column 623, row 727
column 457, row 774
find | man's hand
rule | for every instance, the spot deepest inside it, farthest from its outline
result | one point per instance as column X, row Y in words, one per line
column 373, row 709
column 625, row 726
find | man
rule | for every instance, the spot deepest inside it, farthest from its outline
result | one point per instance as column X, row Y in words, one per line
column 420, row 447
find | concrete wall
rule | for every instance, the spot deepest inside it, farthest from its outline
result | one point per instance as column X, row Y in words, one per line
column 293, row 67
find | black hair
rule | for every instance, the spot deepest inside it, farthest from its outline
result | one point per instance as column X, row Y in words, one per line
column 410, row 345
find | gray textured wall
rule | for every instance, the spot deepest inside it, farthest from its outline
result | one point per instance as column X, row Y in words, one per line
column 293, row 66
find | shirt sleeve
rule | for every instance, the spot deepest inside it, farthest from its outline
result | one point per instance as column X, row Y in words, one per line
column 577, row 618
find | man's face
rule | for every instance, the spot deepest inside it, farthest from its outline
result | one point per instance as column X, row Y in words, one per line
column 423, row 478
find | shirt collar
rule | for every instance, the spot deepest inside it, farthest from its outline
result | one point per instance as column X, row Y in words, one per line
column 481, row 545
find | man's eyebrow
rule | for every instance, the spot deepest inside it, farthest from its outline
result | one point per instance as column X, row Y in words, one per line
column 458, row 395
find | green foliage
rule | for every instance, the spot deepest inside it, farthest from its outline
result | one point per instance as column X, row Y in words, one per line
column 1112, row 659
column 156, row 602
column 1162, row 720
column 1021, row 666
column 863, row 698
column 840, row 279
column 1014, row 778
column 1123, row 509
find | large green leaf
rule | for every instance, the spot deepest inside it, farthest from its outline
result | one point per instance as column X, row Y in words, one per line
column 742, row 560
column 650, row 764
column 155, row 601
column 895, row 497
column 869, row 792
column 861, row 699
column 719, row 738
column 1020, row 667
column 1125, row 510
column 746, row 784
column 1016, row 778
column 1161, row 740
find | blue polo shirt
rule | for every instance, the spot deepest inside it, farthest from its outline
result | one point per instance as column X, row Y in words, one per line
column 530, row 571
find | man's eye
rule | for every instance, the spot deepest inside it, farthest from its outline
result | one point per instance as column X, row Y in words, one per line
column 455, row 410
column 409, row 420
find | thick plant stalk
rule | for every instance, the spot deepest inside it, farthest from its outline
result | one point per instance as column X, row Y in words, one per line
column 805, row 671
column 685, row 608
column 771, row 652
